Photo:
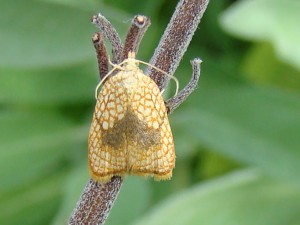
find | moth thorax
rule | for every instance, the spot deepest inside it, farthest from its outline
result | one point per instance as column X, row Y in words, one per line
column 129, row 82
column 131, row 65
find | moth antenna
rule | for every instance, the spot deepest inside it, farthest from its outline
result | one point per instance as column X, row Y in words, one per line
column 169, row 75
column 102, row 81
column 118, row 66
column 115, row 66
column 131, row 56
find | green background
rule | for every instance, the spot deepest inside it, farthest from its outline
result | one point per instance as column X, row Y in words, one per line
column 237, row 137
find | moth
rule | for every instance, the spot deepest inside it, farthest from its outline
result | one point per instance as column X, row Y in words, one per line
column 130, row 132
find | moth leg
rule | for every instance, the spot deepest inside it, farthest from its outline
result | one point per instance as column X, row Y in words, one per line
column 111, row 34
column 175, row 101
column 139, row 26
column 101, row 54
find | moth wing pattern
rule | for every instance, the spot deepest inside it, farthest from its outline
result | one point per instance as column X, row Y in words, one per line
column 105, row 162
column 130, row 132
column 152, row 154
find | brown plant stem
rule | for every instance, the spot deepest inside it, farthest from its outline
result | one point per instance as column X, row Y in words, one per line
column 176, row 39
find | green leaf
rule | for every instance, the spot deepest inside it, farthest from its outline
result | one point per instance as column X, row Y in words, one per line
column 49, row 87
column 239, row 198
column 73, row 187
column 271, row 71
column 251, row 125
column 39, row 34
column 135, row 190
column 35, row 145
column 34, row 205
column 43, row 34
column 275, row 21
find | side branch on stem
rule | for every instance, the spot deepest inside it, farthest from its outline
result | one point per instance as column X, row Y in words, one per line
column 101, row 54
column 135, row 34
column 112, row 35
column 174, row 102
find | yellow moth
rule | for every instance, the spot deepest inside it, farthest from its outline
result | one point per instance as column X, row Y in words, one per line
column 130, row 132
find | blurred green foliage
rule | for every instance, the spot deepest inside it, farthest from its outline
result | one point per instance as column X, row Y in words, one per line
column 237, row 137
